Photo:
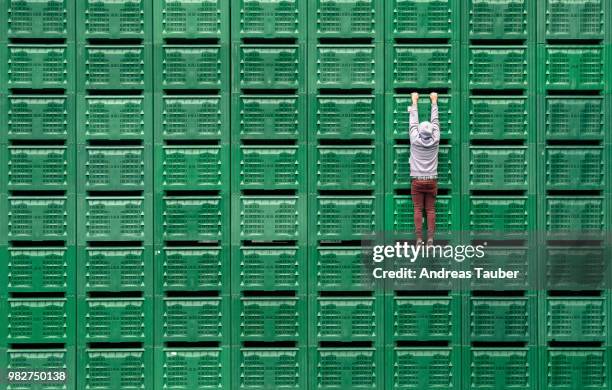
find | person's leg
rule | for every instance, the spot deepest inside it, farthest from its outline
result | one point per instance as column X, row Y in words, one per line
column 417, row 201
column 430, row 210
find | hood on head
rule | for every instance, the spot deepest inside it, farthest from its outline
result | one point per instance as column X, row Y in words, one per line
column 425, row 130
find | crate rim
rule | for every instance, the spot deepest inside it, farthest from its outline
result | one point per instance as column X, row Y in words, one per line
column 267, row 247
column 198, row 46
column 34, row 45
column 269, row 298
column 187, row 197
column 115, row 197
column 21, row 146
column 41, row 299
column 114, row 147
column 200, row 247
column 138, row 46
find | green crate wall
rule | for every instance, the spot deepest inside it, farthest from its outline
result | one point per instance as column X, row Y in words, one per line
column 293, row 96
column 345, row 190
column 499, row 166
column 269, row 236
column 572, row 86
column 191, row 137
column 422, row 55
column 38, row 154
column 115, row 306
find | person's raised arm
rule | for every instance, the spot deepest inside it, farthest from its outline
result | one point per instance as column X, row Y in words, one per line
column 414, row 117
column 435, row 121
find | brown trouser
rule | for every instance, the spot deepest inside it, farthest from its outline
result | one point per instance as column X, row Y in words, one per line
column 424, row 196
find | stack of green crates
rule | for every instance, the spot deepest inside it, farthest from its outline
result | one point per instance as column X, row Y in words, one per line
column 345, row 186
column 422, row 328
column 114, row 190
column 573, row 188
column 37, row 193
column 188, row 185
column 269, row 194
column 191, row 153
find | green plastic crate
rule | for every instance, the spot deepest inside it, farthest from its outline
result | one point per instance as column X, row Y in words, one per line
column 561, row 262
column 502, row 319
column 192, row 117
column 574, row 167
column 270, row 19
column 270, row 268
column 38, row 117
column 37, row 269
column 115, row 269
column 400, row 125
column 114, row 67
column 401, row 167
column 346, row 18
column 37, row 18
column 497, row 167
column 38, row 320
column 38, row 67
column 269, row 217
column 422, row 368
column 504, row 67
column 574, row 215
column 59, row 360
column 574, row 68
column 574, row 118
column 115, row 368
column 192, row 368
column 345, row 217
column 515, row 258
column 114, row 218
column 269, row 117
column 346, row 117
column 498, row 19
column 192, row 67
column 347, row 167
column 38, row 218
column 424, row 318
column 268, row 67
column 574, row 368
column 269, row 369
column 193, row 218
column 192, row 319
column 576, row 319
column 192, row 268
column 501, row 368
column 402, row 210
column 421, row 19
column 346, row 368
column 113, row 319
column 421, row 66
column 37, row 167
column 498, row 118
column 269, row 318
column 197, row 167
column 348, row 66
column 114, row 117
column 340, row 269
column 114, row 19
column 270, row 167
column 192, row 19
column 114, row 167
column 575, row 19
column 498, row 216
column 347, row 318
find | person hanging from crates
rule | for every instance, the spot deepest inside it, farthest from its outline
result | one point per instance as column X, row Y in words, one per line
column 424, row 144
